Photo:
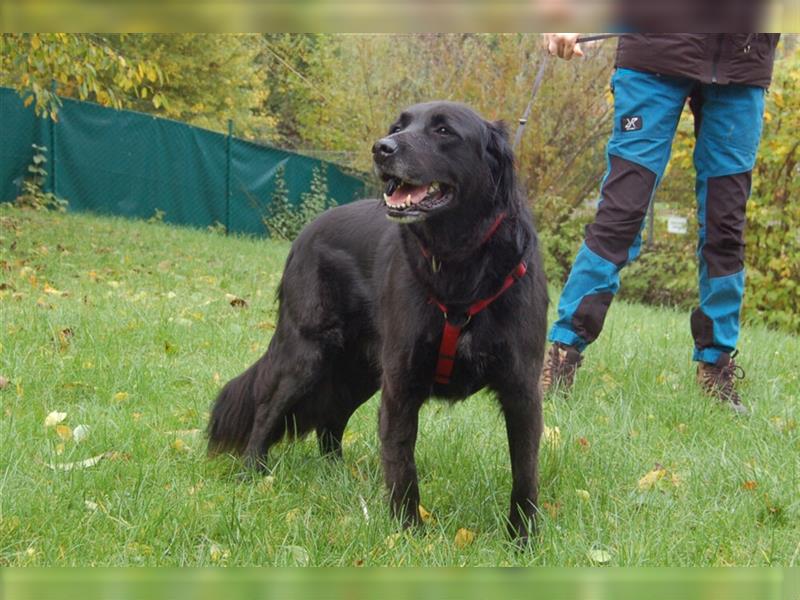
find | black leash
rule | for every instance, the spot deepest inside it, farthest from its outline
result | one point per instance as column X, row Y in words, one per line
column 523, row 120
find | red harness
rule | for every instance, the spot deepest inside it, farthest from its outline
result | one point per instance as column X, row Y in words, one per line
column 451, row 333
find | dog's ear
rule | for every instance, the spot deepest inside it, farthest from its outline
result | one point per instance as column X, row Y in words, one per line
column 501, row 156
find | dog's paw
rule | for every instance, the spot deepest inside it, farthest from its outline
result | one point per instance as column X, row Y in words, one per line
column 254, row 468
column 522, row 532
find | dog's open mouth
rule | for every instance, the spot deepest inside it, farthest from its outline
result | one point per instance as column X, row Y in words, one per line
column 407, row 202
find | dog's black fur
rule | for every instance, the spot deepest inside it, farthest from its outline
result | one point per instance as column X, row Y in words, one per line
column 355, row 313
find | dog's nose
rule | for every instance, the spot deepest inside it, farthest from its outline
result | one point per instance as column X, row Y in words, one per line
column 384, row 147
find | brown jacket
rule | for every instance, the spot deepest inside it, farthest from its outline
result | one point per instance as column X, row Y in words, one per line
column 740, row 58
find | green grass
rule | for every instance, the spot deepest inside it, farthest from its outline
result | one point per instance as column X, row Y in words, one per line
column 143, row 335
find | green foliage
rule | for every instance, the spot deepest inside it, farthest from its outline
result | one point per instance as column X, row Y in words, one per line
column 158, row 216
column 665, row 274
column 345, row 90
column 282, row 219
column 33, row 195
column 560, row 227
column 83, row 66
column 208, row 79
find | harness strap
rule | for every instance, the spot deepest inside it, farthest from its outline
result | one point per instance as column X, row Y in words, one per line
column 451, row 333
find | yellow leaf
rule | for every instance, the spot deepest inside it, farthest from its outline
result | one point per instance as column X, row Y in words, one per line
column 54, row 418
column 552, row 436
column 464, row 537
column 424, row 514
column 64, row 432
column 391, row 540
column 649, row 480
column 583, row 495
column 121, row 396
column 180, row 446
column 28, row 101
column 599, row 556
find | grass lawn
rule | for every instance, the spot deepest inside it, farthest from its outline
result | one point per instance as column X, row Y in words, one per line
column 128, row 329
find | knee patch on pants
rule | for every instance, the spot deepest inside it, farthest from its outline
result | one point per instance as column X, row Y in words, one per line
column 723, row 247
column 625, row 197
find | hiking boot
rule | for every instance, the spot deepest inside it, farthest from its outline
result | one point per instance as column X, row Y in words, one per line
column 718, row 380
column 559, row 367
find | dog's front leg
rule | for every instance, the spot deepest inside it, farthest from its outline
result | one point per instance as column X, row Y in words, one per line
column 522, row 409
column 399, row 417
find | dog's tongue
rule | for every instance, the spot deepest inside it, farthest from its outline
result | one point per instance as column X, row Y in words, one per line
column 407, row 194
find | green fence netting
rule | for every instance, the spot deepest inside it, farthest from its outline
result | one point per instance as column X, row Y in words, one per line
column 126, row 163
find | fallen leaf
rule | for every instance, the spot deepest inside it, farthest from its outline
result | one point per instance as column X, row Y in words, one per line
column 391, row 540
column 750, row 485
column 599, row 556
column 80, row 433
column 121, row 396
column 584, row 443
column 649, row 480
column 64, row 432
column 48, row 289
column 424, row 514
column 583, row 495
column 90, row 505
column 3, row 382
column 64, row 337
column 235, row 301
column 179, row 445
column 552, row 436
column 464, row 537
column 54, row 418
column 81, row 464
column 217, row 553
column 552, row 509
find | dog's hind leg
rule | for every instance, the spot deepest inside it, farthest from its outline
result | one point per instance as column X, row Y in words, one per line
column 348, row 388
column 292, row 378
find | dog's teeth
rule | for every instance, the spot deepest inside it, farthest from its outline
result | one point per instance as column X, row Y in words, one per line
column 433, row 188
column 408, row 199
column 386, row 198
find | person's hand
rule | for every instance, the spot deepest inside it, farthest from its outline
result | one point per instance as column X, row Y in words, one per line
column 564, row 45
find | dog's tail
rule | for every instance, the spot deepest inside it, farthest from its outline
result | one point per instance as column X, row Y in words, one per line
column 234, row 410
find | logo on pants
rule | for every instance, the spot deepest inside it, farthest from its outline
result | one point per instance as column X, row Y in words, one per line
column 632, row 123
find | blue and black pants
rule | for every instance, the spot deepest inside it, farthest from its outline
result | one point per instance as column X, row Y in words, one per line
column 647, row 109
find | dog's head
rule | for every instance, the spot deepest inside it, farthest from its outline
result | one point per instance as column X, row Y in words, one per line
column 440, row 157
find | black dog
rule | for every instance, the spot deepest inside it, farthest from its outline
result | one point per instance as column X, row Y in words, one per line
column 451, row 300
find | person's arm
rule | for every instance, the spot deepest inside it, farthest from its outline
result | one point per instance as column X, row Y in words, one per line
column 563, row 45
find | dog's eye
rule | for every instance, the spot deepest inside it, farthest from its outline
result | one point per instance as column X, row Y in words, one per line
column 394, row 129
column 442, row 130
